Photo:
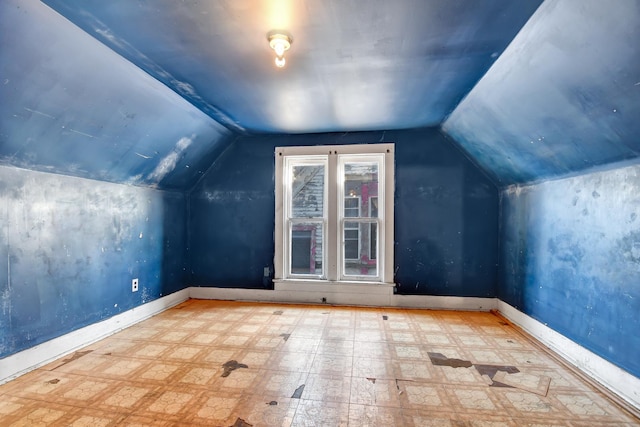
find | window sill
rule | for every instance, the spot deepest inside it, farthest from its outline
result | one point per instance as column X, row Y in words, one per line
column 334, row 287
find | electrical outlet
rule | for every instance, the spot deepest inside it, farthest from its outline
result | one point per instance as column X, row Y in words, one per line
column 134, row 285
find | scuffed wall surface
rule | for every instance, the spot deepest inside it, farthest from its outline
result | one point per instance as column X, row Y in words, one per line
column 571, row 259
column 69, row 248
column 72, row 106
column 446, row 220
column 446, row 228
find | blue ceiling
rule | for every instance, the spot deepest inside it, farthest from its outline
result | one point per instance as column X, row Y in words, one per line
column 149, row 92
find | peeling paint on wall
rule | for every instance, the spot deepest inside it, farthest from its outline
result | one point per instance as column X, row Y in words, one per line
column 168, row 163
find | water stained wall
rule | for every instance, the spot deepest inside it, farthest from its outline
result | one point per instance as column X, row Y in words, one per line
column 571, row 259
column 69, row 248
column 446, row 215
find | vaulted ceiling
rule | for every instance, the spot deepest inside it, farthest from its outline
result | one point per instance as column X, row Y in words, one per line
column 149, row 92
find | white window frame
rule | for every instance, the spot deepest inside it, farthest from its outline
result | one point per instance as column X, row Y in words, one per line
column 371, row 229
column 289, row 221
column 334, row 206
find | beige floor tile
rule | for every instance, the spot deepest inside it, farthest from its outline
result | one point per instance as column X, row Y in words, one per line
column 301, row 345
column 374, row 416
column 238, row 381
column 413, row 370
column 422, row 395
column 371, row 349
column 291, row 361
column 254, row 358
column 406, row 351
column 369, row 335
column 160, row 372
column 169, row 404
column 423, row 418
column 368, row 367
column 48, row 414
column 307, row 366
column 96, row 418
column 373, row 391
column 267, row 411
column 331, row 364
column 327, row 388
column 335, row 347
column 313, row 413
column 215, row 409
column 476, row 399
column 280, row 383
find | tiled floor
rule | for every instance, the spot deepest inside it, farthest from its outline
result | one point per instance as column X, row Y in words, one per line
column 240, row 364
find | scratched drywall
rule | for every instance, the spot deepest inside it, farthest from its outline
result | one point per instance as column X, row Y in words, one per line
column 69, row 248
column 570, row 258
column 446, row 215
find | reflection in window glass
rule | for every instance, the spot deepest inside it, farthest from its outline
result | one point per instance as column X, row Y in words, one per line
column 360, row 250
column 306, row 248
column 307, row 191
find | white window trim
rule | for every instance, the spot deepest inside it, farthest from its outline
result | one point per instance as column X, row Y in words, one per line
column 370, row 228
column 304, row 161
column 385, row 232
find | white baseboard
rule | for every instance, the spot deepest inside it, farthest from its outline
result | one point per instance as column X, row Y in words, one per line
column 620, row 382
column 346, row 294
column 41, row 354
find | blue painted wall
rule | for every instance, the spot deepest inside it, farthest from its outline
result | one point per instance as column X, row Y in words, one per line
column 446, row 215
column 70, row 247
column 570, row 258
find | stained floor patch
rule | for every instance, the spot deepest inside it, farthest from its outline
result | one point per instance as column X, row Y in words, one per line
column 298, row 393
column 490, row 371
column 439, row 359
column 241, row 423
column 527, row 382
column 77, row 355
column 285, row 336
column 231, row 366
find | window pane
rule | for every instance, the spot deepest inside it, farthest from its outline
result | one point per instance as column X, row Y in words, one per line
column 307, row 191
column 373, row 241
column 306, row 249
column 361, row 186
column 357, row 249
column 351, row 207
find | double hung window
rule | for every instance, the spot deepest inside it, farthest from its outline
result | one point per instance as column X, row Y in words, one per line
column 334, row 213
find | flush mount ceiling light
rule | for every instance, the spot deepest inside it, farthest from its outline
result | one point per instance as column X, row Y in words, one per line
column 280, row 43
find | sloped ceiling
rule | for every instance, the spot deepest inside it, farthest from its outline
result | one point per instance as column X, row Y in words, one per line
column 150, row 92
column 70, row 105
column 563, row 98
